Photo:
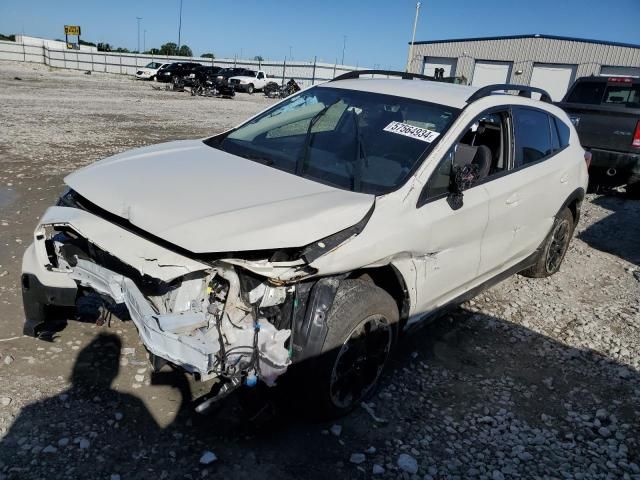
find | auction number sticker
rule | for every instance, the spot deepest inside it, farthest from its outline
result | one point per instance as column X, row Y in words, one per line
column 419, row 133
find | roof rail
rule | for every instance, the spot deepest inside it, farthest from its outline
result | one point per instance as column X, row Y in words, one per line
column 523, row 91
column 388, row 73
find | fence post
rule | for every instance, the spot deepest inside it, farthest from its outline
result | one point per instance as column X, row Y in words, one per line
column 24, row 53
column 313, row 76
column 235, row 58
column 284, row 69
column 334, row 68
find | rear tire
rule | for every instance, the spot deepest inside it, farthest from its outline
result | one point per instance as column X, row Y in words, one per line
column 362, row 328
column 554, row 247
column 250, row 89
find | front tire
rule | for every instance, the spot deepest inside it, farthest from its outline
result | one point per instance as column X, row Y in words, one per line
column 362, row 328
column 554, row 248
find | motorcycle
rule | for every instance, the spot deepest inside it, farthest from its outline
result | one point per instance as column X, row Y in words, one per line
column 273, row 90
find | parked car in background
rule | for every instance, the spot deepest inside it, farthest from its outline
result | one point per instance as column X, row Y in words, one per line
column 177, row 70
column 249, row 81
column 606, row 114
column 315, row 232
column 150, row 70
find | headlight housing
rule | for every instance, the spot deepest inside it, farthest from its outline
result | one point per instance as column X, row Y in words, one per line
column 69, row 198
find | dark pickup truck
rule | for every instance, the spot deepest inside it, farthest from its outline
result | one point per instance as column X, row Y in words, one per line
column 606, row 114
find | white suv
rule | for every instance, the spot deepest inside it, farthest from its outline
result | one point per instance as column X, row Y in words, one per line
column 315, row 232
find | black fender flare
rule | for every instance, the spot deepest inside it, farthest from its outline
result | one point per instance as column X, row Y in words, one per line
column 576, row 195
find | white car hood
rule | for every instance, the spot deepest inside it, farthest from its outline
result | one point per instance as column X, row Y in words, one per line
column 205, row 200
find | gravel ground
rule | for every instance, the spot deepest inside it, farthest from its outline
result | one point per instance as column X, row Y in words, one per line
column 532, row 379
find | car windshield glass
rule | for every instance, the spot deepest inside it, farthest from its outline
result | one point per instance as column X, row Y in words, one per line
column 152, row 65
column 359, row 141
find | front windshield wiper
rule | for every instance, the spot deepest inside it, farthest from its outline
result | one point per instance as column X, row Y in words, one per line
column 301, row 164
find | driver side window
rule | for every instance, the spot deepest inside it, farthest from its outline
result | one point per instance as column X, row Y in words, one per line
column 484, row 145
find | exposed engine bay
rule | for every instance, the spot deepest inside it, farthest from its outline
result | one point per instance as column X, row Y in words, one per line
column 214, row 322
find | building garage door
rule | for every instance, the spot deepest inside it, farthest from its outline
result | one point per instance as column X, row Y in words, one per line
column 621, row 71
column 431, row 63
column 555, row 79
column 486, row 73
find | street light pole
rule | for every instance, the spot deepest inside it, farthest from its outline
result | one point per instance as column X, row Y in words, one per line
column 179, row 25
column 413, row 37
column 138, row 19
column 144, row 40
column 344, row 45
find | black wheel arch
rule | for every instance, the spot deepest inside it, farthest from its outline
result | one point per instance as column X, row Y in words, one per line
column 573, row 203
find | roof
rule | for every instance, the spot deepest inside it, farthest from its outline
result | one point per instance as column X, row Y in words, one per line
column 531, row 35
column 435, row 92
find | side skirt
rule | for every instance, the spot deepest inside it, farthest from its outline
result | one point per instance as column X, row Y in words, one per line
column 440, row 311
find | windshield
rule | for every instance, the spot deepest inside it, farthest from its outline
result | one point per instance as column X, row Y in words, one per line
column 153, row 65
column 359, row 141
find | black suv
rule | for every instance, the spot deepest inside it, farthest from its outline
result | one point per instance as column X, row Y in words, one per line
column 177, row 70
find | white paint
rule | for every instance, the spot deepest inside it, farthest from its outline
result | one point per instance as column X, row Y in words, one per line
column 206, row 200
column 555, row 79
column 487, row 73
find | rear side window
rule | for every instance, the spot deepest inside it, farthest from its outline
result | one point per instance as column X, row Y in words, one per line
column 563, row 132
column 533, row 136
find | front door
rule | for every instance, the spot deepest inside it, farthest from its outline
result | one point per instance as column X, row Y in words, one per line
column 448, row 263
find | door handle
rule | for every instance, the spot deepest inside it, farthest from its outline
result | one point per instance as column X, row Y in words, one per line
column 513, row 199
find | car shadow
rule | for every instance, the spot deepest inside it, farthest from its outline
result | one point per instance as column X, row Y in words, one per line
column 619, row 232
column 464, row 367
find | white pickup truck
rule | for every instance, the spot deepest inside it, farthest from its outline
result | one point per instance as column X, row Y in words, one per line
column 249, row 81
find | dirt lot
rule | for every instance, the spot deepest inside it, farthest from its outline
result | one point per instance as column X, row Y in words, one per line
column 532, row 379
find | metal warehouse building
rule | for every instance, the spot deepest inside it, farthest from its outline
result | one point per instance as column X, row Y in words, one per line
column 544, row 61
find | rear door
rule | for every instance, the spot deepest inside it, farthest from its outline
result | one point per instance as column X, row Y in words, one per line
column 524, row 200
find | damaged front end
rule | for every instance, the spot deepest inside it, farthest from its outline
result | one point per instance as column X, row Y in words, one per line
column 235, row 319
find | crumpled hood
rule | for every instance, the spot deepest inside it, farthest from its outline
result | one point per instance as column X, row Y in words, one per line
column 205, row 200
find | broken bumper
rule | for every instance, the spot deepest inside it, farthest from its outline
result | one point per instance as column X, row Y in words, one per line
column 40, row 289
column 185, row 319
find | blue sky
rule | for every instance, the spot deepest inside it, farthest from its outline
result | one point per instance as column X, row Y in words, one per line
column 377, row 30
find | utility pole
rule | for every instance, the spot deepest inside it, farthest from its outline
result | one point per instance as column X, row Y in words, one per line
column 138, row 19
column 413, row 37
column 144, row 40
column 179, row 25
column 344, row 45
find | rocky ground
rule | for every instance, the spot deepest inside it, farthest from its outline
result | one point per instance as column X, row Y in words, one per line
column 532, row 379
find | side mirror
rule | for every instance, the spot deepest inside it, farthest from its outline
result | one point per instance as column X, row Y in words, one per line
column 462, row 178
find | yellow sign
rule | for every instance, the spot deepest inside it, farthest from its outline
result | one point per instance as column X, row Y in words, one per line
column 72, row 29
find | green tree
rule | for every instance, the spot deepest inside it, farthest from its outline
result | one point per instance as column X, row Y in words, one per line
column 10, row 38
column 207, row 55
column 104, row 47
column 185, row 51
column 258, row 58
column 153, row 51
column 121, row 50
column 168, row 48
